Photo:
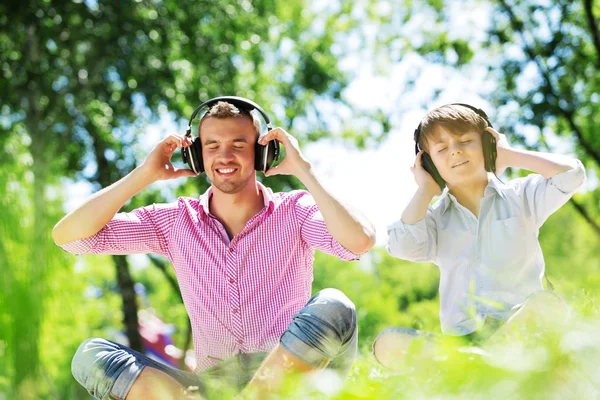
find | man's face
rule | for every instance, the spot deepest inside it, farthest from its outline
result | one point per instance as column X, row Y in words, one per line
column 228, row 152
column 458, row 158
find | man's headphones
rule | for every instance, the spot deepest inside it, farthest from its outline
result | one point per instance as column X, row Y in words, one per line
column 487, row 141
column 264, row 155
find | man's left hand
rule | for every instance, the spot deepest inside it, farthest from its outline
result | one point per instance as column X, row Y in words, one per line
column 294, row 162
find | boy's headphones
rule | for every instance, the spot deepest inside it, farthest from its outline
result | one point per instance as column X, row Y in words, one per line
column 264, row 155
column 487, row 141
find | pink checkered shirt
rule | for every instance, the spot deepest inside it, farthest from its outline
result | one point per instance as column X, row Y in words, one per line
column 240, row 294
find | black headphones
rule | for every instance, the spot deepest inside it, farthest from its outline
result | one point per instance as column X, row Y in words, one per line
column 487, row 141
column 264, row 155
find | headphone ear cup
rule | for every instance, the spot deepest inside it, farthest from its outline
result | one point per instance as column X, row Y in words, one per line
column 196, row 159
column 271, row 149
column 272, row 153
column 490, row 152
column 259, row 157
column 429, row 166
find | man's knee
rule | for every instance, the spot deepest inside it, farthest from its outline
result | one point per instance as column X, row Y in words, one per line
column 333, row 307
column 323, row 329
column 83, row 360
column 97, row 364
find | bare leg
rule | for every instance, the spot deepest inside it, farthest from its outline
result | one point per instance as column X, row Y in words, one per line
column 393, row 346
column 269, row 376
column 154, row 384
column 540, row 312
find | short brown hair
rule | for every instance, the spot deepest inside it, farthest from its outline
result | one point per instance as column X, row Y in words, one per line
column 454, row 118
column 223, row 109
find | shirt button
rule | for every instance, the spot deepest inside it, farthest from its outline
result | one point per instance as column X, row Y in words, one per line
column 240, row 341
column 235, row 310
column 231, row 280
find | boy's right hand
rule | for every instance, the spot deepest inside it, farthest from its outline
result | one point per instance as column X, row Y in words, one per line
column 158, row 163
column 423, row 178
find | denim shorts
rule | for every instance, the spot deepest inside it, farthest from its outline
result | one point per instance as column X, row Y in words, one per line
column 323, row 333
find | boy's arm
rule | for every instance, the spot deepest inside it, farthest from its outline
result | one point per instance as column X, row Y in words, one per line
column 89, row 218
column 428, row 188
column 558, row 178
column 348, row 227
column 415, row 242
column 545, row 164
column 414, row 237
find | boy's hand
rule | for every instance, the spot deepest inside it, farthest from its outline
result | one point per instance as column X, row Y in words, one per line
column 158, row 163
column 423, row 178
column 502, row 147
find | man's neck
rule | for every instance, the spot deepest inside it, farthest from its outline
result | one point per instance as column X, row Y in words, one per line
column 235, row 210
column 469, row 194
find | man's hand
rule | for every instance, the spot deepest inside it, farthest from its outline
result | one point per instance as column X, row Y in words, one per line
column 503, row 148
column 294, row 162
column 158, row 163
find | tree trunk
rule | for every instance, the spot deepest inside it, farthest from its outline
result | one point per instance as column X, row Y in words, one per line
column 130, row 317
column 29, row 292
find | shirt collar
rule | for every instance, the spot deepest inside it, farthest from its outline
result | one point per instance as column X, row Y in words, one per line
column 267, row 197
column 494, row 186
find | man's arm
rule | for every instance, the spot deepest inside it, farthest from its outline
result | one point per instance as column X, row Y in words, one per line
column 101, row 207
column 348, row 227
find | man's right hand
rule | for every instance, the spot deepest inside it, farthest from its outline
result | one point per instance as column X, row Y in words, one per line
column 423, row 178
column 158, row 163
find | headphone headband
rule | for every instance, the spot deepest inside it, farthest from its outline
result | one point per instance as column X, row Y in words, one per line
column 488, row 144
column 239, row 102
column 264, row 155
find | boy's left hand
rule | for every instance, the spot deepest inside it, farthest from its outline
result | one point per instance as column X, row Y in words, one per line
column 294, row 162
column 502, row 147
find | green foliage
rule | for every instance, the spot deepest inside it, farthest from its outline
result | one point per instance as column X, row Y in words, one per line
column 81, row 82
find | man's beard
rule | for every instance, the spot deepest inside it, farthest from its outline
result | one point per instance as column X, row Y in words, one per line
column 231, row 187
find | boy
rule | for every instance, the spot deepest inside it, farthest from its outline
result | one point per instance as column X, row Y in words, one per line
column 482, row 233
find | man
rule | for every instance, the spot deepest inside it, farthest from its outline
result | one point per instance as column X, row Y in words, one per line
column 243, row 257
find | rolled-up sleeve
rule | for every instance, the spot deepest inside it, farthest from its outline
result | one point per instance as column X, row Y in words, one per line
column 314, row 230
column 544, row 196
column 143, row 230
column 413, row 242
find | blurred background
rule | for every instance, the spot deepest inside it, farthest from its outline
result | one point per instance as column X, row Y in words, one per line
column 87, row 88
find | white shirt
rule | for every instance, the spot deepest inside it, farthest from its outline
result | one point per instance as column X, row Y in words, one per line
column 491, row 264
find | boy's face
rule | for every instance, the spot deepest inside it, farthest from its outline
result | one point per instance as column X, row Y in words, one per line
column 457, row 157
column 228, row 152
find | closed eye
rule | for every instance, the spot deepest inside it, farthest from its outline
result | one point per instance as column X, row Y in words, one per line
column 440, row 150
